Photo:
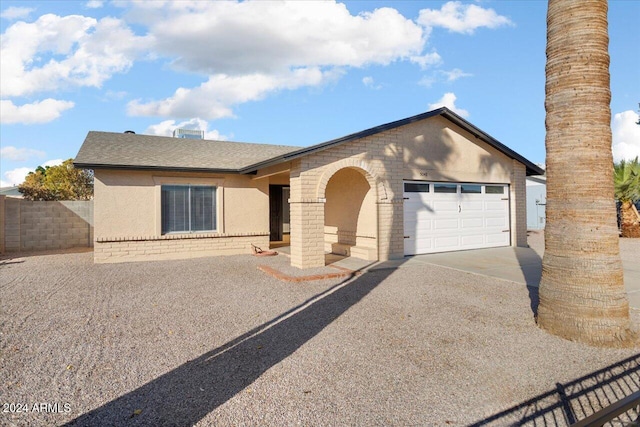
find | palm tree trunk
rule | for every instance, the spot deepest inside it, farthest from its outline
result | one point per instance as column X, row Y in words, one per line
column 582, row 295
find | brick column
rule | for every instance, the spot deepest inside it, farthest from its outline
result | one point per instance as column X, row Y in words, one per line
column 307, row 233
column 390, row 230
column 518, row 205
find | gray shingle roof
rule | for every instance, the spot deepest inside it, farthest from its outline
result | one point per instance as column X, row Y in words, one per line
column 127, row 150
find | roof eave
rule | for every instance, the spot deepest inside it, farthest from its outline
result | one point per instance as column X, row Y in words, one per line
column 94, row 166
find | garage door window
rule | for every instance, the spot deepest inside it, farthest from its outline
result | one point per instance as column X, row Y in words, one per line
column 445, row 188
column 410, row 187
column 494, row 189
column 470, row 188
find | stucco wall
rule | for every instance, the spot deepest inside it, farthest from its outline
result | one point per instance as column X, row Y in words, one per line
column 436, row 149
column 128, row 209
column 36, row 226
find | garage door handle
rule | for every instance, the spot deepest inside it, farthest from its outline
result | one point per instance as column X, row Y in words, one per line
column 407, row 237
column 459, row 208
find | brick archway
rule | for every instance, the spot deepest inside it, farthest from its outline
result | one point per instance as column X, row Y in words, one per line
column 359, row 165
column 350, row 192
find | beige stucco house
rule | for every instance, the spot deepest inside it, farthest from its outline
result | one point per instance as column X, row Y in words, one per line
column 428, row 183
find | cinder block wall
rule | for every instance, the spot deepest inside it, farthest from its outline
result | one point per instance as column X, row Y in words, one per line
column 35, row 226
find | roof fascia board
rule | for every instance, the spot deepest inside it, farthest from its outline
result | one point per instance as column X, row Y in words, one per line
column 152, row 168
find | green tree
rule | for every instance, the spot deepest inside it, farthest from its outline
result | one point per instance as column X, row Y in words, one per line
column 626, row 175
column 62, row 182
column 582, row 294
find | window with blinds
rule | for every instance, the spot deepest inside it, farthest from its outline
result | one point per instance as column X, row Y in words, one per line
column 188, row 208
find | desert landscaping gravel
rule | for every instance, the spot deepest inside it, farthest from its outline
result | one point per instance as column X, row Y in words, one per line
column 214, row 341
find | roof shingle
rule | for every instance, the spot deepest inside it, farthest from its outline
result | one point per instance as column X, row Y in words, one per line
column 128, row 150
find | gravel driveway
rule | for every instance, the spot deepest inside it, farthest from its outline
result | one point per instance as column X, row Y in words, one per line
column 214, row 341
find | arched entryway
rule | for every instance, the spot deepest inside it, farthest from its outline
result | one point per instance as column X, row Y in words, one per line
column 350, row 214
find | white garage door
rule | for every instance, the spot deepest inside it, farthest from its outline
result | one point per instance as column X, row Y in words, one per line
column 441, row 217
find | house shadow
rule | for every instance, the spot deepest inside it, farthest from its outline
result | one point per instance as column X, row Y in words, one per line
column 185, row 395
column 577, row 399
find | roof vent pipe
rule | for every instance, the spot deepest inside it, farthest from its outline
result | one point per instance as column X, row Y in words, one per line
column 129, row 131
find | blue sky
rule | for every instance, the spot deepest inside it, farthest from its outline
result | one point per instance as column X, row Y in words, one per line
column 296, row 73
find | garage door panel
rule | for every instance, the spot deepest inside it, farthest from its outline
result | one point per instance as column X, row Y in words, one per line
column 445, row 224
column 424, row 215
column 441, row 222
column 497, row 222
column 477, row 206
column 446, row 242
column 422, row 230
column 498, row 205
column 424, row 246
column 472, row 223
column 445, row 206
column 475, row 241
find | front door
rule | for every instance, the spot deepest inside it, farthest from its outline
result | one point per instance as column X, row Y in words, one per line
column 275, row 212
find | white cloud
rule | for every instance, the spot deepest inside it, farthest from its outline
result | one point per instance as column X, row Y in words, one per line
column 369, row 82
column 427, row 60
column 94, row 4
column 38, row 112
column 449, row 100
column 260, row 47
column 20, row 154
column 276, row 36
column 57, row 52
column 14, row 12
column 455, row 74
column 214, row 98
column 460, row 18
column 626, row 136
column 15, row 176
column 165, row 128
column 263, row 47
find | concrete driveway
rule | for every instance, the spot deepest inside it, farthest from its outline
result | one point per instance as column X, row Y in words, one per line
column 521, row 265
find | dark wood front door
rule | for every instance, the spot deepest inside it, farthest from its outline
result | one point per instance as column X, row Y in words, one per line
column 275, row 212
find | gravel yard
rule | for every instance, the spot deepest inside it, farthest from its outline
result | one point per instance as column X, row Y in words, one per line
column 214, row 341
